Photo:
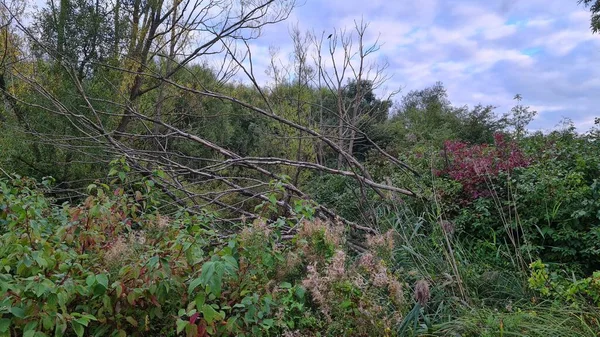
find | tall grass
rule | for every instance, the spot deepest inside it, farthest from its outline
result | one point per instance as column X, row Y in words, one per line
column 477, row 288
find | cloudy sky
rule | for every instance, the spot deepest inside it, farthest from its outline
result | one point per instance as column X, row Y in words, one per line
column 484, row 51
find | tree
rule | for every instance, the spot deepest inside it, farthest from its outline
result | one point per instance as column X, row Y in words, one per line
column 427, row 115
column 79, row 32
column 351, row 81
column 478, row 125
column 166, row 106
column 519, row 117
column 594, row 6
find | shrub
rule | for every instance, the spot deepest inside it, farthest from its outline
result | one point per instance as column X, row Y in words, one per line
column 79, row 270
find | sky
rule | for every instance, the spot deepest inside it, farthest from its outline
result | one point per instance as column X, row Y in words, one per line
column 483, row 51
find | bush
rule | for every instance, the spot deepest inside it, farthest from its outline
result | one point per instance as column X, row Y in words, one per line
column 79, row 270
column 541, row 196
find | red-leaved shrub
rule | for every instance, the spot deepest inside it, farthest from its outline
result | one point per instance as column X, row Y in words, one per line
column 474, row 166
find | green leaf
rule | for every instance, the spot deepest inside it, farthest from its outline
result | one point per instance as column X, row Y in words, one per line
column 131, row 321
column 83, row 321
column 99, row 290
column 210, row 314
column 103, row 280
column 29, row 329
column 300, row 292
column 212, row 275
column 78, row 328
column 60, row 329
column 18, row 312
column 47, row 322
column 4, row 324
column 194, row 284
column 90, row 280
column 181, row 324
column 199, row 300
column 232, row 262
column 91, row 187
column 267, row 323
column 119, row 288
column 345, row 304
column 40, row 260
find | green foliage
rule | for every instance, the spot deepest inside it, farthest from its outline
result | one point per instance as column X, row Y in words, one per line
column 337, row 192
column 558, row 286
column 111, row 262
column 548, row 208
column 519, row 117
column 86, row 270
column 594, row 6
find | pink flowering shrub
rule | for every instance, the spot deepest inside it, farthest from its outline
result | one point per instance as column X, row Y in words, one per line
column 475, row 166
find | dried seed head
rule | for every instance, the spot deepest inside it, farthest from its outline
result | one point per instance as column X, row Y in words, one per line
column 447, row 226
column 380, row 277
column 336, row 269
column 396, row 292
column 367, row 261
column 422, row 292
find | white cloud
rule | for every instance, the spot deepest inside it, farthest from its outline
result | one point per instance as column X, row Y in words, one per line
column 539, row 22
column 499, row 32
column 483, row 51
column 563, row 42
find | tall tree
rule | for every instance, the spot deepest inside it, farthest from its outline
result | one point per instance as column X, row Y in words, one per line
column 346, row 69
column 78, row 32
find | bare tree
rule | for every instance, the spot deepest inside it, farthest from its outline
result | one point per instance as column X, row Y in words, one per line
column 344, row 67
column 166, row 43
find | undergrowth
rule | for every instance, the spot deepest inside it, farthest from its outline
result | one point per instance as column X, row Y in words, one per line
column 116, row 265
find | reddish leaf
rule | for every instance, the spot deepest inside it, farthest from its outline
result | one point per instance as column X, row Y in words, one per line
column 202, row 330
column 193, row 318
column 154, row 301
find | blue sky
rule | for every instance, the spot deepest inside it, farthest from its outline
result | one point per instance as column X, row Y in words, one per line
column 483, row 51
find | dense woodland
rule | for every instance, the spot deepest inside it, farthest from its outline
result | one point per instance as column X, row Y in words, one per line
column 153, row 184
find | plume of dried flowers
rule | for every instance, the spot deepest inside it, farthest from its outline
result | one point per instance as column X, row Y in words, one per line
column 380, row 277
column 334, row 233
column 259, row 229
column 367, row 261
column 292, row 262
column 422, row 293
column 138, row 237
column 117, row 251
column 382, row 244
column 317, row 286
column 396, row 292
column 337, row 269
column 162, row 221
column 359, row 281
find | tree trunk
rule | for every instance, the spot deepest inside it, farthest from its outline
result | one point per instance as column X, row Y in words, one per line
column 62, row 23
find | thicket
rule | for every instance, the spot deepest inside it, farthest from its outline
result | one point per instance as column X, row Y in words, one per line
column 146, row 191
column 469, row 264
